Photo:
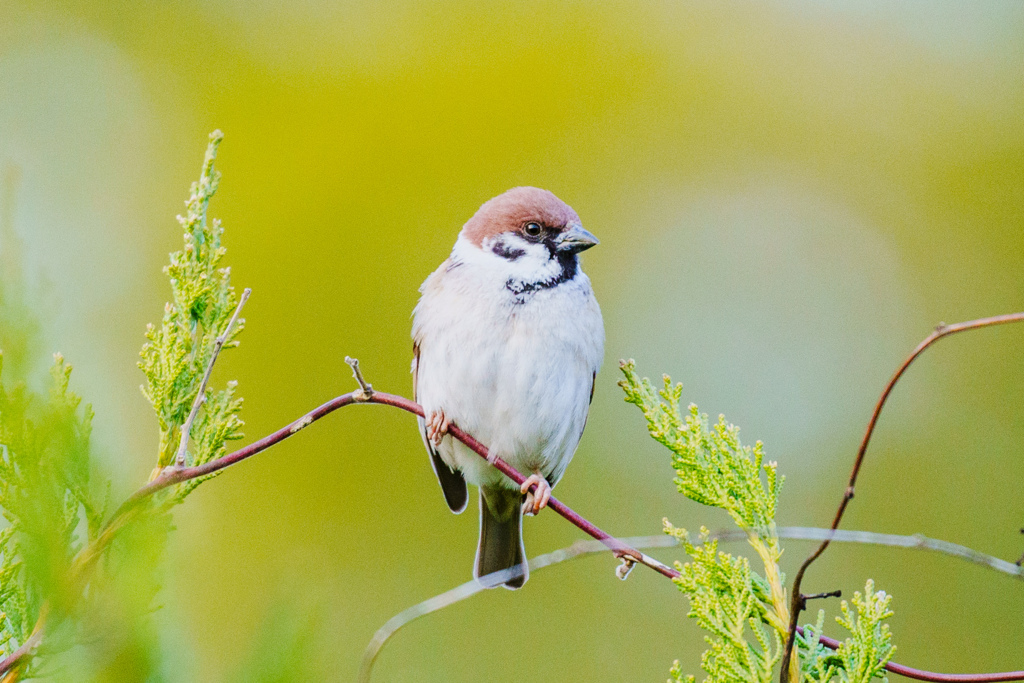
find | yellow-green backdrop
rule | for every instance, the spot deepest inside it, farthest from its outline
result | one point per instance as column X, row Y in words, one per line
column 789, row 195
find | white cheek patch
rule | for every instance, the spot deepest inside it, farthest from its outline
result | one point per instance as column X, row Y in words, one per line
column 510, row 257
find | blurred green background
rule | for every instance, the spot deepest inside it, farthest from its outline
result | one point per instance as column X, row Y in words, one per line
column 789, row 195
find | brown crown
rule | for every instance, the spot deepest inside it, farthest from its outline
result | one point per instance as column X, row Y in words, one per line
column 514, row 209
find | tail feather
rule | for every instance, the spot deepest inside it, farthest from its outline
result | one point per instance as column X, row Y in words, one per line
column 501, row 535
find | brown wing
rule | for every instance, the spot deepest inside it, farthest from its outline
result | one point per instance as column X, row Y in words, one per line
column 453, row 486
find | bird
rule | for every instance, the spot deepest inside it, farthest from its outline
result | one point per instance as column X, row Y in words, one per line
column 508, row 339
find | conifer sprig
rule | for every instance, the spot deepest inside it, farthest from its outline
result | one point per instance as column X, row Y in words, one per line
column 178, row 353
column 728, row 599
column 712, row 466
column 46, row 492
column 732, row 603
column 55, row 513
column 870, row 648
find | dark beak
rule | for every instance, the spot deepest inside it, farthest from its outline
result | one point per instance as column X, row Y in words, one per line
column 575, row 239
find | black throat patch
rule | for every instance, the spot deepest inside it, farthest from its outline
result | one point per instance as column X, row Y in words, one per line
column 570, row 266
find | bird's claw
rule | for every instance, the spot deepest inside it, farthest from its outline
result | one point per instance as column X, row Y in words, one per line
column 536, row 499
column 437, row 427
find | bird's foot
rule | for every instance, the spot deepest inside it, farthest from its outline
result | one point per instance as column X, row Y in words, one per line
column 437, row 427
column 536, row 499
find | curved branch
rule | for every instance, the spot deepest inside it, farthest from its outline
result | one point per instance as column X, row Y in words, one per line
column 917, row 541
column 471, row 588
column 943, row 330
column 580, row 548
column 170, row 476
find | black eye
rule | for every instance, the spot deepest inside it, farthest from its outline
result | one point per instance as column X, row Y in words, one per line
column 532, row 229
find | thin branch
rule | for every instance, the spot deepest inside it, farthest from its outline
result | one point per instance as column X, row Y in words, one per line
column 201, row 396
column 580, row 548
column 916, row 541
column 471, row 588
column 943, row 330
column 170, row 476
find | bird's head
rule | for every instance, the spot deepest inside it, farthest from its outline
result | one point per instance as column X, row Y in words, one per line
column 532, row 234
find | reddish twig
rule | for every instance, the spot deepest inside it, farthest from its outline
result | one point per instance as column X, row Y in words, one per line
column 796, row 605
column 9, row 667
column 175, row 475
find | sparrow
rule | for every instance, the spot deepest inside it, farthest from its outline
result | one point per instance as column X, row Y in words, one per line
column 507, row 342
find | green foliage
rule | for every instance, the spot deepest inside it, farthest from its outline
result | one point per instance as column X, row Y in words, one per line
column 178, row 352
column 730, row 601
column 862, row 656
column 88, row 580
column 865, row 654
column 218, row 423
column 48, row 499
column 712, row 467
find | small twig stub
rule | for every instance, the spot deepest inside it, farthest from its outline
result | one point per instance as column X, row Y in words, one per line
column 623, row 570
column 818, row 596
column 365, row 388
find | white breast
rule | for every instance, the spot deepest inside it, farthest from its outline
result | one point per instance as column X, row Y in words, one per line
column 516, row 372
